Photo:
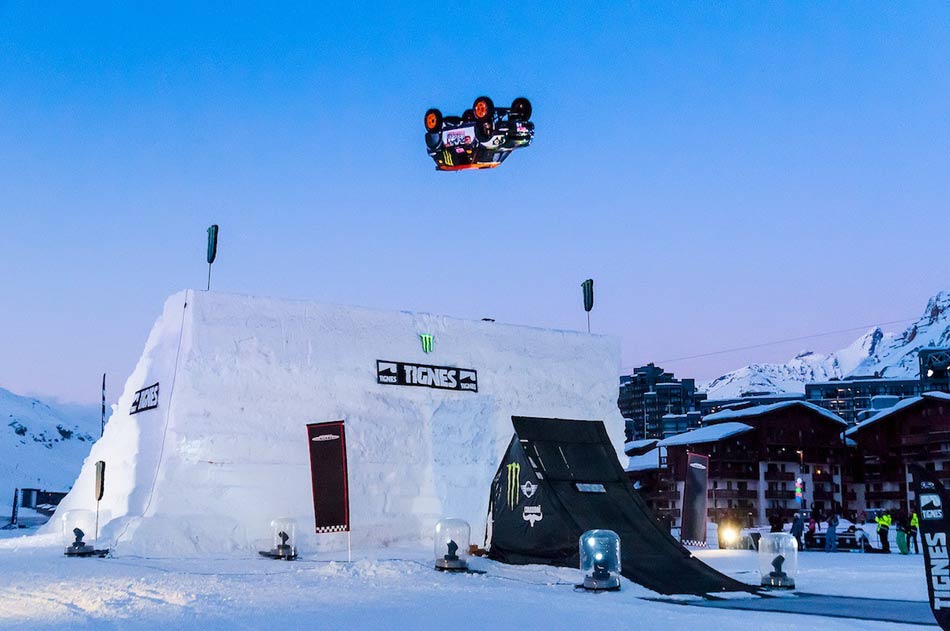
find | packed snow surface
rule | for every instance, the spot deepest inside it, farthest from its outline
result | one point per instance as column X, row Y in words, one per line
column 398, row 589
column 226, row 450
column 890, row 355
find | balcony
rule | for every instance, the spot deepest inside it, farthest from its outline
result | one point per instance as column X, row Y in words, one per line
column 732, row 494
column 821, row 494
column 779, row 476
column 779, row 495
column 871, row 496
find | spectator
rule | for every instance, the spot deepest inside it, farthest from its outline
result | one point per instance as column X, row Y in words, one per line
column 831, row 534
column 884, row 522
column 912, row 533
column 810, row 533
column 798, row 528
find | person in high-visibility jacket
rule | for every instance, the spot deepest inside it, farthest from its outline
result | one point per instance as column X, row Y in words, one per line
column 912, row 534
column 884, row 522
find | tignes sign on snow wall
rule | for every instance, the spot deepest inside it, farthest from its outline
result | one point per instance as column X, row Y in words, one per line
column 439, row 377
column 145, row 399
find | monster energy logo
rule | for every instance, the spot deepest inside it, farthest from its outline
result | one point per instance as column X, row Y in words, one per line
column 514, row 482
column 426, row 342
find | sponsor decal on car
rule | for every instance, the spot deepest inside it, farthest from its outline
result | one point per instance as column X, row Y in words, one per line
column 514, row 477
column 532, row 514
column 456, row 137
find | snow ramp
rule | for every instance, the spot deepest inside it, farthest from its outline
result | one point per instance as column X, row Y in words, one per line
column 209, row 443
column 560, row 478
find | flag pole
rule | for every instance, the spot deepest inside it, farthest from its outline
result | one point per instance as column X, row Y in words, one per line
column 102, row 419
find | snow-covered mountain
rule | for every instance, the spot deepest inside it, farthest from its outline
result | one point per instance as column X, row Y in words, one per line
column 887, row 354
column 43, row 445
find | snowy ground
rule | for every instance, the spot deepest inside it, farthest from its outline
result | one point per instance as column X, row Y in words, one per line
column 393, row 589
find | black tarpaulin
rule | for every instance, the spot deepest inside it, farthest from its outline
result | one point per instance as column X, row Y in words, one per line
column 560, row 478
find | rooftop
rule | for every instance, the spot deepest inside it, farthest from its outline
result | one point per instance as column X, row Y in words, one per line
column 710, row 434
column 897, row 407
column 759, row 410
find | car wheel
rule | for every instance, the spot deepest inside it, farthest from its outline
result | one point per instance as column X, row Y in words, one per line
column 433, row 121
column 521, row 108
column 484, row 109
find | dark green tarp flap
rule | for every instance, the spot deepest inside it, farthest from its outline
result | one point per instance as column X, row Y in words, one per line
column 560, row 478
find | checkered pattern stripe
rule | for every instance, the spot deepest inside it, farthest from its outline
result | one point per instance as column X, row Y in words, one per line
column 325, row 529
column 697, row 544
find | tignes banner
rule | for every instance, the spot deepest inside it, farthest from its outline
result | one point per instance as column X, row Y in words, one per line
column 935, row 535
column 693, row 531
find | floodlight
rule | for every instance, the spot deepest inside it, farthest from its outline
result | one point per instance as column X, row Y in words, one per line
column 451, row 545
column 778, row 560
column 600, row 559
column 283, row 530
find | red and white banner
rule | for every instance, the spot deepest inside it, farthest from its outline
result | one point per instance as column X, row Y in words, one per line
column 331, row 493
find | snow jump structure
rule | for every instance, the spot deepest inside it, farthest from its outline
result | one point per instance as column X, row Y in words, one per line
column 561, row 478
column 209, row 440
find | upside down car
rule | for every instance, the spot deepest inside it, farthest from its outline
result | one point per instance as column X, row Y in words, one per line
column 481, row 138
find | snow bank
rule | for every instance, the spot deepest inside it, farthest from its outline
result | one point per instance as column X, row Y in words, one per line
column 226, row 449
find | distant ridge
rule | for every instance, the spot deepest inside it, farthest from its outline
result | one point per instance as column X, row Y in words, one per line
column 876, row 352
column 42, row 445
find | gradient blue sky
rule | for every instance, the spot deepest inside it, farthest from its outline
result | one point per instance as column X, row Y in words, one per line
column 729, row 174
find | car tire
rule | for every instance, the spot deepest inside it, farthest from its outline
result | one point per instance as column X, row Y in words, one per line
column 433, row 121
column 521, row 109
column 484, row 109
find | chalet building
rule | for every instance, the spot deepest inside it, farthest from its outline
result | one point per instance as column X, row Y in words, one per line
column 757, row 456
column 915, row 430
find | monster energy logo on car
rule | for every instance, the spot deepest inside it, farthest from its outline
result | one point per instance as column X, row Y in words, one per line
column 514, row 483
column 426, row 342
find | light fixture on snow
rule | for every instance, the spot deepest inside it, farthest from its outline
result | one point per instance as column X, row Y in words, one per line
column 600, row 559
column 778, row 560
column 77, row 524
column 728, row 536
column 451, row 545
column 284, row 530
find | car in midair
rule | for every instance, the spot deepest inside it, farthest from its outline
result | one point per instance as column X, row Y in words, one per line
column 481, row 138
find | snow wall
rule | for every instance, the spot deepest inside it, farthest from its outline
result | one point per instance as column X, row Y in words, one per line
column 226, row 449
